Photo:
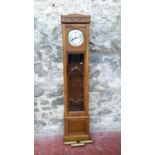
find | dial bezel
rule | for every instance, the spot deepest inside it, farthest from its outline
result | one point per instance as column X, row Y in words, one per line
column 75, row 37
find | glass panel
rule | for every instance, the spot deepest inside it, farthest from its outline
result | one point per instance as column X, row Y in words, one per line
column 75, row 82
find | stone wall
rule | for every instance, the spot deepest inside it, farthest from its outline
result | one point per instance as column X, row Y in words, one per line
column 104, row 66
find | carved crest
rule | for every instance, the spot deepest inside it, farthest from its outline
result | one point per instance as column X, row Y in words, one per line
column 75, row 18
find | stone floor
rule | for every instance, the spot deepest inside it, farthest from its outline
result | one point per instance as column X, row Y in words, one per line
column 107, row 143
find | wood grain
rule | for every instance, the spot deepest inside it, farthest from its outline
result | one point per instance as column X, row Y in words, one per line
column 76, row 115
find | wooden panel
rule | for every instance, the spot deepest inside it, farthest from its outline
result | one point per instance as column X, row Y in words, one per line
column 65, row 60
column 86, row 70
column 76, row 113
column 76, row 125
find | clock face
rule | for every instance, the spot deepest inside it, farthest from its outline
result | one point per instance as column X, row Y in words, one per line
column 75, row 38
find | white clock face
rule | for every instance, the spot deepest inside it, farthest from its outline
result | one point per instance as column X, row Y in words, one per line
column 75, row 38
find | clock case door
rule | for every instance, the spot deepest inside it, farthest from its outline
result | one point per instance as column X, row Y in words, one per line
column 75, row 74
column 75, row 60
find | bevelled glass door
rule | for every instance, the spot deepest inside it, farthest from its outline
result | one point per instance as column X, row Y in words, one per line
column 75, row 82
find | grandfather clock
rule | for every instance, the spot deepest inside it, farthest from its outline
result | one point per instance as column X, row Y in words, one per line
column 75, row 35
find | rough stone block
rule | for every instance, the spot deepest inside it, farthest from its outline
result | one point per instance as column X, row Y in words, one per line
column 57, row 102
column 38, row 91
column 44, row 102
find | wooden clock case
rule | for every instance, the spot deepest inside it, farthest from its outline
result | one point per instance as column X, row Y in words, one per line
column 75, row 62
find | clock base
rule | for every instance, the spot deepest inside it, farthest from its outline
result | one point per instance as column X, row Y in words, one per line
column 76, row 128
column 78, row 143
column 76, row 138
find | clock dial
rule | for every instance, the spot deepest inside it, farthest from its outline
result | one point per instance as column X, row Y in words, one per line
column 75, row 38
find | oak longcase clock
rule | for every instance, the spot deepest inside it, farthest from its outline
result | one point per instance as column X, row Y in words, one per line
column 75, row 34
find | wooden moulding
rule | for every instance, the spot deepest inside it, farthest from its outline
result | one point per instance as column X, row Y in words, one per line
column 76, row 137
column 86, row 141
column 77, row 145
column 75, row 18
column 70, row 142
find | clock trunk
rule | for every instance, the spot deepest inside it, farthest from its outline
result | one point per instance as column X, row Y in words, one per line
column 75, row 62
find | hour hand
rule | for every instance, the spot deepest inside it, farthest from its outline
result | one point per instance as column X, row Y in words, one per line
column 73, row 38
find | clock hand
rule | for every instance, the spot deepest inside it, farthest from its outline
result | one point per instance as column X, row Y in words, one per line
column 73, row 38
column 75, row 34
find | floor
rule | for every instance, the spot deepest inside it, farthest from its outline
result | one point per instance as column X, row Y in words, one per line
column 107, row 143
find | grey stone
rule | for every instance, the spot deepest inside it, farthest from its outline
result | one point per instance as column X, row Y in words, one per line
column 95, row 74
column 36, row 110
column 55, row 92
column 104, row 111
column 41, row 36
column 59, row 54
column 96, row 57
column 57, row 102
column 113, row 61
column 44, row 115
column 35, row 23
column 45, row 108
column 40, row 122
column 94, row 85
column 95, row 120
column 38, row 69
column 51, row 94
column 116, row 0
column 92, row 109
column 38, row 91
column 60, row 91
column 116, row 45
column 106, row 95
column 44, row 102
column 35, row 104
column 55, row 121
column 37, row 53
column 117, row 118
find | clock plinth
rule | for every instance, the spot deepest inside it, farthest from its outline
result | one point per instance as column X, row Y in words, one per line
column 75, row 33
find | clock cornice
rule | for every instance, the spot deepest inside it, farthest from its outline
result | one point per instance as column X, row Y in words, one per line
column 75, row 18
